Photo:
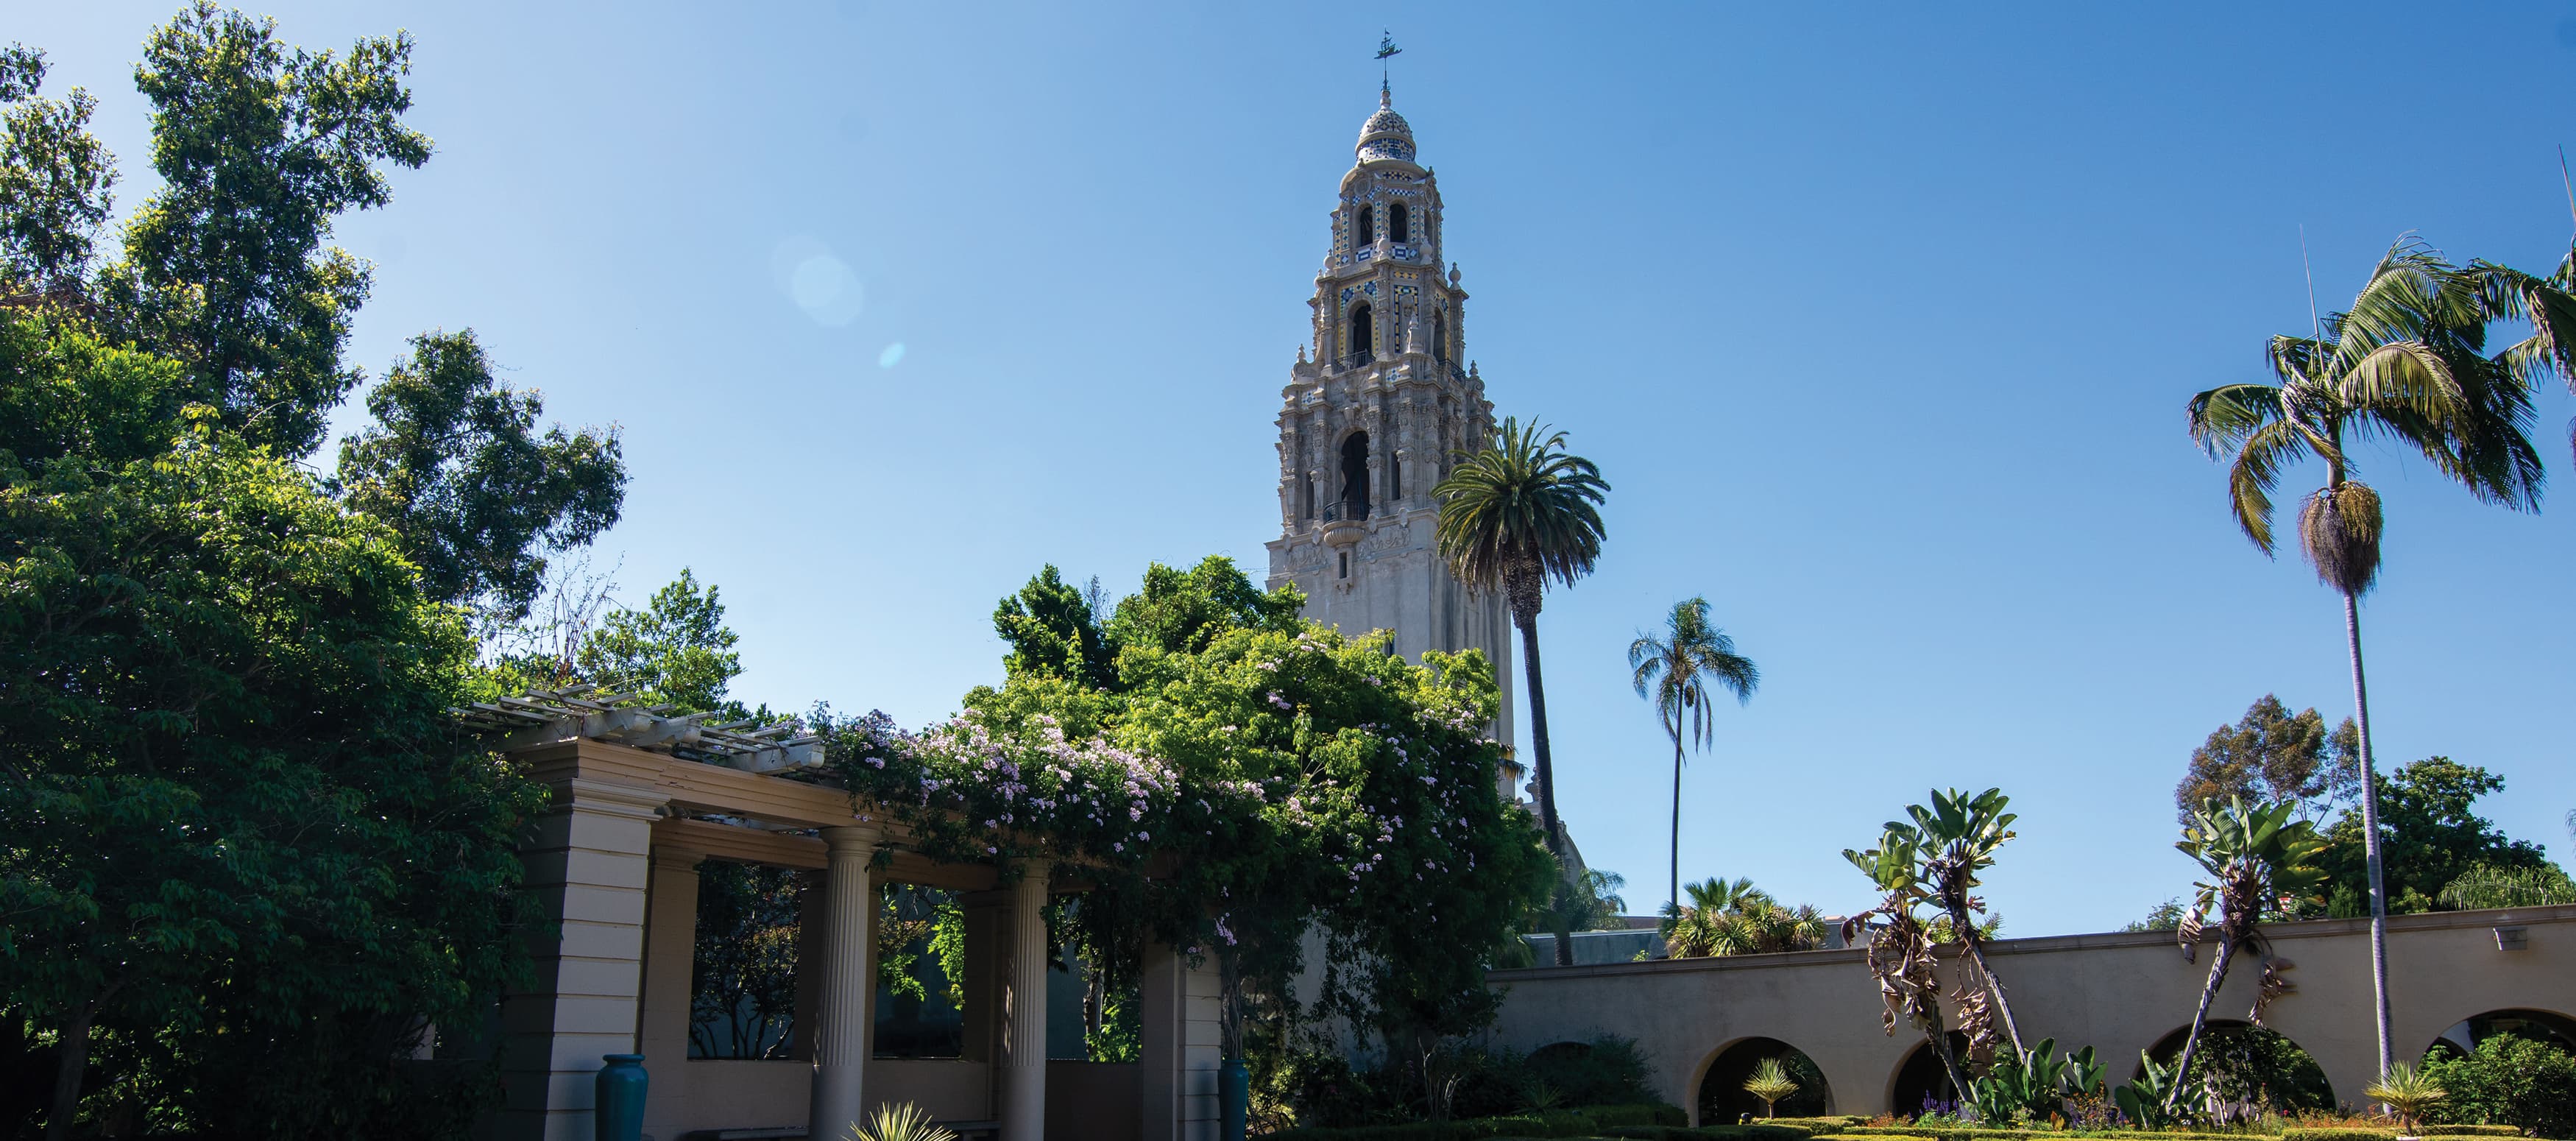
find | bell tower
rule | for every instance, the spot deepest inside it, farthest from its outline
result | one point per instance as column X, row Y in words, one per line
column 1369, row 425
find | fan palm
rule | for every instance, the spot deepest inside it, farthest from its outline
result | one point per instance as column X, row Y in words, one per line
column 1676, row 672
column 1513, row 517
column 1737, row 919
column 2405, row 364
column 2259, row 858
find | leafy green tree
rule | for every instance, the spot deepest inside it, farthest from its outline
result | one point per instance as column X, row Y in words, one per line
column 2256, row 856
column 1515, row 516
column 2272, row 755
column 259, row 147
column 2486, row 885
column 1307, row 780
column 1051, row 627
column 677, row 651
column 454, row 464
column 2406, row 363
column 2429, row 833
column 1676, row 672
column 56, row 181
column 2509, row 1081
column 742, row 1001
column 244, row 850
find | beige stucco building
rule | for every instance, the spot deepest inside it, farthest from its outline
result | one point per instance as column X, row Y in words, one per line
column 2120, row 993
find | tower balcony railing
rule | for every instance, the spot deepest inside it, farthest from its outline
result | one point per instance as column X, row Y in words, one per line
column 1343, row 511
column 1354, row 360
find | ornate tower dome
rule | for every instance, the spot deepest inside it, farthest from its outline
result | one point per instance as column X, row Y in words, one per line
column 1386, row 134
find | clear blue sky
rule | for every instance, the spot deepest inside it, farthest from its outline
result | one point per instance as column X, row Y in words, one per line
column 1879, row 319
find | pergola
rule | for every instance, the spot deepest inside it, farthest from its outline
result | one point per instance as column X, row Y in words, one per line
column 641, row 799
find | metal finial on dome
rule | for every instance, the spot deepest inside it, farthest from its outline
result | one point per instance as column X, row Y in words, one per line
column 1385, row 93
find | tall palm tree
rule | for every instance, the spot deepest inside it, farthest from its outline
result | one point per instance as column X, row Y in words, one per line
column 2259, row 858
column 1514, row 516
column 1675, row 672
column 2404, row 364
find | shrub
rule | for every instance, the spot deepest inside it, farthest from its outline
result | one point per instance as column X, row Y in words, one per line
column 2338, row 1134
column 1609, row 1070
column 2513, row 1081
column 1644, row 1113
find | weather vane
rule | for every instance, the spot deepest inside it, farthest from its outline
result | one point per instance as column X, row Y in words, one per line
column 1386, row 48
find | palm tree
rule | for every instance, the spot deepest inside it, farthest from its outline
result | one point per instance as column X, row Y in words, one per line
column 2260, row 858
column 2404, row 364
column 1675, row 672
column 2549, row 304
column 1514, row 516
column 1737, row 918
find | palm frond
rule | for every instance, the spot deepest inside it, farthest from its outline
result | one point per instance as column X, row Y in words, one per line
column 1521, row 505
column 2260, row 461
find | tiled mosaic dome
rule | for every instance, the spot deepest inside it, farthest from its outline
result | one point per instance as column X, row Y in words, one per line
column 1386, row 134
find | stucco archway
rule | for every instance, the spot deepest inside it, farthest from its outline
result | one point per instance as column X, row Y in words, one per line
column 1718, row 1096
column 1919, row 1084
column 2545, row 1026
column 2264, row 1064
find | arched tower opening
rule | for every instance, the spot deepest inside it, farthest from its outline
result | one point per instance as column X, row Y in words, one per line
column 1363, row 336
column 1440, row 337
column 1355, row 476
column 1365, row 232
column 1399, row 223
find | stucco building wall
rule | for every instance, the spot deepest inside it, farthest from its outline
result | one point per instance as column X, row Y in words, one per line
column 2120, row 993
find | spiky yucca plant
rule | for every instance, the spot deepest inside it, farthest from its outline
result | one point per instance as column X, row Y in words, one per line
column 900, row 1122
column 1771, row 1082
column 2407, row 1092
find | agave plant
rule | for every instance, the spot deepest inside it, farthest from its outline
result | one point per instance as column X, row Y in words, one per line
column 1770, row 1082
column 1900, row 947
column 2407, row 1092
column 2023, row 1087
column 2257, row 856
column 903, row 1122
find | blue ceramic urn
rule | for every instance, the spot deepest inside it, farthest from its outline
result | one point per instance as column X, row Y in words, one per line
column 619, row 1115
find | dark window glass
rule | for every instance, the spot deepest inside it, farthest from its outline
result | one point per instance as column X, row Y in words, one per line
column 1397, row 226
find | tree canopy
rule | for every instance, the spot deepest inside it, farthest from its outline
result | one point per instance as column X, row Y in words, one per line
column 1296, row 776
column 2270, row 755
column 2430, row 834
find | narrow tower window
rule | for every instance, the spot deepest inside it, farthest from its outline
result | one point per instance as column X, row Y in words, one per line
column 1396, row 223
column 1368, row 226
column 1394, row 477
column 1363, row 339
column 1355, row 483
column 1306, row 499
column 1440, row 337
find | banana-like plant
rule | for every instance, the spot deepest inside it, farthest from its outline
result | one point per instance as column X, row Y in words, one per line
column 1900, row 949
column 2024, row 1087
column 1959, row 835
column 2259, row 858
column 2147, row 1102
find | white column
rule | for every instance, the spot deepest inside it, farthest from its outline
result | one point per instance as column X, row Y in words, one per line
column 1025, row 1046
column 1181, row 1052
column 842, row 1019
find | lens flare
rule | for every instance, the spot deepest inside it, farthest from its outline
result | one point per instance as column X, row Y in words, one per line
column 891, row 356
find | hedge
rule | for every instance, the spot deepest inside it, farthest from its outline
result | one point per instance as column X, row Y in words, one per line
column 1590, row 1121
